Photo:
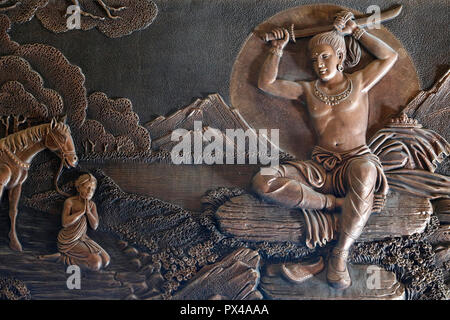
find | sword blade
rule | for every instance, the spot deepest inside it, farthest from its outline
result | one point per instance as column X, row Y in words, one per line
column 364, row 21
column 384, row 16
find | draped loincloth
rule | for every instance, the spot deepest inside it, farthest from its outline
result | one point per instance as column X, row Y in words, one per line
column 326, row 173
column 74, row 244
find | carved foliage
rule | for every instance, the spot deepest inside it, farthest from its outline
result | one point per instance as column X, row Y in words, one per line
column 118, row 118
column 13, row 289
column 26, row 72
column 20, row 11
column 136, row 15
column 413, row 260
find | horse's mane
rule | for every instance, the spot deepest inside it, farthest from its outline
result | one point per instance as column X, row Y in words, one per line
column 22, row 139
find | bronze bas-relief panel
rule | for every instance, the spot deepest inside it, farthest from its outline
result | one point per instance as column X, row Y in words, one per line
column 386, row 99
column 201, row 232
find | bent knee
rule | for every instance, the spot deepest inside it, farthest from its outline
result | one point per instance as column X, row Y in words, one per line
column 261, row 181
column 362, row 171
column 95, row 262
column 106, row 259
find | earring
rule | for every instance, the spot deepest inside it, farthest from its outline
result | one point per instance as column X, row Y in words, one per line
column 340, row 67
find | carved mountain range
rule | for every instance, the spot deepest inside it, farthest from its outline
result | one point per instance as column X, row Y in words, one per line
column 432, row 108
column 212, row 112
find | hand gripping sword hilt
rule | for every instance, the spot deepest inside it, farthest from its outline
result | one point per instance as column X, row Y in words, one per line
column 269, row 36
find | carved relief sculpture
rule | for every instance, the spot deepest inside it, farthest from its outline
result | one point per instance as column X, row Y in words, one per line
column 108, row 10
column 343, row 175
column 74, row 245
column 374, row 194
column 16, row 153
column 112, row 18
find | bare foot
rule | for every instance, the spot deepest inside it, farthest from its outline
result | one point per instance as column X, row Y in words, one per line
column 49, row 257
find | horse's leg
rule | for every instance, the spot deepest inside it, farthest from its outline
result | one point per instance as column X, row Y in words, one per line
column 14, row 196
column 5, row 177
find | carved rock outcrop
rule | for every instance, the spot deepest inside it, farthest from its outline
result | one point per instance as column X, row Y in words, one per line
column 386, row 286
column 233, row 278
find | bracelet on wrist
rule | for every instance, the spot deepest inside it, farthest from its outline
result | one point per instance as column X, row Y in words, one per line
column 276, row 51
column 358, row 33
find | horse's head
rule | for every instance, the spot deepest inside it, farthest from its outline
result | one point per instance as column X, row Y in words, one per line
column 60, row 142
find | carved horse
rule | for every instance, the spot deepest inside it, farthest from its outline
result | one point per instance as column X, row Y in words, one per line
column 16, row 152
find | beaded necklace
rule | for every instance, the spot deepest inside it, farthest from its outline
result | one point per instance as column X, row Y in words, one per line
column 333, row 100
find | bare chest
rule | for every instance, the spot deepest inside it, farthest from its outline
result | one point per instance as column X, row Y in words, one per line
column 350, row 110
column 79, row 206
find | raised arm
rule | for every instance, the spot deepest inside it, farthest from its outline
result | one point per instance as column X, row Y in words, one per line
column 384, row 54
column 268, row 81
column 385, row 60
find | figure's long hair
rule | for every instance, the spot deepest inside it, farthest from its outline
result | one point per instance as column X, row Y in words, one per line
column 351, row 50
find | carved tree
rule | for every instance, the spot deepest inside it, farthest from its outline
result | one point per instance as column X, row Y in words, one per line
column 105, row 7
column 17, row 122
column 5, row 122
column 29, row 122
column 85, row 145
column 92, row 145
column 119, row 146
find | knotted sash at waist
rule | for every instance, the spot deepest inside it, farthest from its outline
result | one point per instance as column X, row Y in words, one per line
column 330, row 159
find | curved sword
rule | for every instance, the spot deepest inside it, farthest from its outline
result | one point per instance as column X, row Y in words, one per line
column 364, row 21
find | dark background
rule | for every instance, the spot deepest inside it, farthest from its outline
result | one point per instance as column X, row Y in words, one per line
column 189, row 51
